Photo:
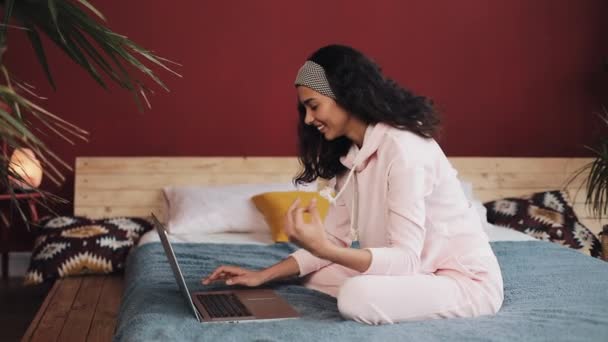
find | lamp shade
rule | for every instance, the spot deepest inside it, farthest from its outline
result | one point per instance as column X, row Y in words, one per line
column 24, row 163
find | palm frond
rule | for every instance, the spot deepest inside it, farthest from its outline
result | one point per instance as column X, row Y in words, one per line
column 54, row 16
column 8, row 10
column 17, row 130
column 89, row 43
column 92, row 9
column 596, row 176
column 36, row 43
column 108, row 57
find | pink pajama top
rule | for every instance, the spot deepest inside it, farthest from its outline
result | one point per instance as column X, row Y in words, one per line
column 405, row 202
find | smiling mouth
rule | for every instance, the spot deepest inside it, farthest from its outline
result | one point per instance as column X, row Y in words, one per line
column 321, row 128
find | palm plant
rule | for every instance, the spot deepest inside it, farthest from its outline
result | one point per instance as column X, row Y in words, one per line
column 596, row 182
column 78, row 29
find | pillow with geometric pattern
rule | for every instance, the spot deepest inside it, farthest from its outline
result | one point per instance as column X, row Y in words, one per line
column 73, row 245
column 547, row 216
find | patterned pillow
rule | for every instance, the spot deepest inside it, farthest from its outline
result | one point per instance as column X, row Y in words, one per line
column 71, row 245
column 545, row 216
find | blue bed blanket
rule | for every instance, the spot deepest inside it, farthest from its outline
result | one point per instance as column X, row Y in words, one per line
column 552, row 293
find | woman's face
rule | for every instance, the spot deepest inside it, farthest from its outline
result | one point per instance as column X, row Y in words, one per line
column 323, row 113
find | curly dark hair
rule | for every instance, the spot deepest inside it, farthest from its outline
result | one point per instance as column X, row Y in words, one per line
column 364, row 92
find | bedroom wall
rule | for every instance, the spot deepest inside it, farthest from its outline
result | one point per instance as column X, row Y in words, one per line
column 512, row 78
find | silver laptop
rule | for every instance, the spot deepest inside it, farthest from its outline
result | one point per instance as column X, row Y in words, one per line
column 228, row 305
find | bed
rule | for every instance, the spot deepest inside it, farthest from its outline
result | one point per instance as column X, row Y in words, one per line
column 89, row 308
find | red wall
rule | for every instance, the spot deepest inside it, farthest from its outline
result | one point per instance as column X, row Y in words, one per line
column 511, row 77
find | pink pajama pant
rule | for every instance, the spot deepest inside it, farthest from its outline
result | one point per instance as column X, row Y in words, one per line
column 380, row 299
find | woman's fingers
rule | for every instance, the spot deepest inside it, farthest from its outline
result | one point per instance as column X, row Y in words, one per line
column 250, row 279
column 235, row 270
column 223, row 272
column 235, row 281
column 222, row 276
column 211, row 277
column 289, row 228
column 294, row 205
column 314, row 212
column 296, row 214
column 312, row 204
column 298, row 217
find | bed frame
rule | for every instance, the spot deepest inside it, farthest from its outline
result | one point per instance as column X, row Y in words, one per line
column 85, row 308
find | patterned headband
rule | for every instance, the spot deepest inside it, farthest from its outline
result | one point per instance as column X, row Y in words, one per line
column 312, row 75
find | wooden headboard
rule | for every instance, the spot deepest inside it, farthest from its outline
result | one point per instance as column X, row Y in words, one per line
column 132, row 186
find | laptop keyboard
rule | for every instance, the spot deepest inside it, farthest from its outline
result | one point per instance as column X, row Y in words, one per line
column 223, row 305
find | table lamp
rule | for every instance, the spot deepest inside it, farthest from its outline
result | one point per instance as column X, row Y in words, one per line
column 24, row 163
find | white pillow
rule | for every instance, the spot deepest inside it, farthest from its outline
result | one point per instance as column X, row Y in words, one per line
column 494, row 232
column 467, row 187
column 218, row 209
column 498, row 233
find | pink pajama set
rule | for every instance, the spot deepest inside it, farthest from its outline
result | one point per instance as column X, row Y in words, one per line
column 430, row 255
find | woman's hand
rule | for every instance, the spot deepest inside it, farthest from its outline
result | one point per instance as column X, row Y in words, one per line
column 234, row 275
column 310, row 236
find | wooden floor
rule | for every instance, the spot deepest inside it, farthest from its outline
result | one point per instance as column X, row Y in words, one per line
column 78, row 309
column 18, row 306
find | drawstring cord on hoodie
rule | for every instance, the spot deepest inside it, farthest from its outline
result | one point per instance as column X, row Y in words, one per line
column 354, row 212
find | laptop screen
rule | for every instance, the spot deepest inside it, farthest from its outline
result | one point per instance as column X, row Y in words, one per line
column 174, row 265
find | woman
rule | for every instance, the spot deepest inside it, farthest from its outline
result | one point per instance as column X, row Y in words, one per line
column 423, row 251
